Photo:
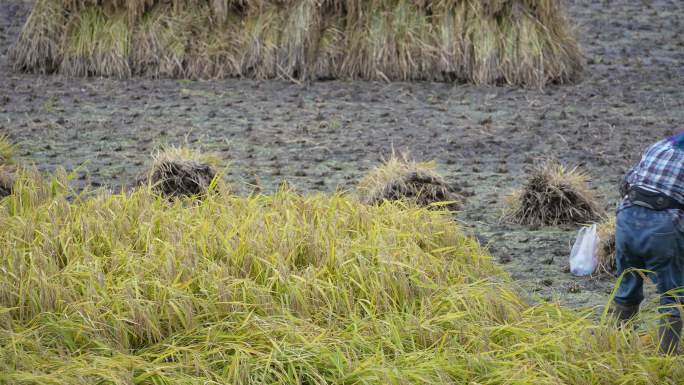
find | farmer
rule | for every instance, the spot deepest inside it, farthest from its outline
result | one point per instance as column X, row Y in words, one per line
column 649, row 235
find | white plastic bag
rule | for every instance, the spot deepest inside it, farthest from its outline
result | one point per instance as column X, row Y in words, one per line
column 584, row 253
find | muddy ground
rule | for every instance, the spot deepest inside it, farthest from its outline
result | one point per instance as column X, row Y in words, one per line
column 325, row 136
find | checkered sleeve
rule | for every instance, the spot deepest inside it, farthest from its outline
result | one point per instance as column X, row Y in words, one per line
column 660, row 168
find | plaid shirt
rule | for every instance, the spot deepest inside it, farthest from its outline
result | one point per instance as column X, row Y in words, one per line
column 661, row 168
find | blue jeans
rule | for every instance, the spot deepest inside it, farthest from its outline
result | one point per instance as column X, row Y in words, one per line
column 651, row 240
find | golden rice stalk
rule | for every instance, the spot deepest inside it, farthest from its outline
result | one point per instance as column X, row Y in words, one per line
column 482, row 51
column 38, row 48
column 220, row 9
column 330, row 53
column 160, row 42
column 260, row 40
column 399, row 178
column 299, row 39
column 97, row 44
column 215, row 56
column 537, row 51
column 282, row 289
column 553, row 195
column 521, row 42
column 449, row 22
column 133, row 8
column 390, row 41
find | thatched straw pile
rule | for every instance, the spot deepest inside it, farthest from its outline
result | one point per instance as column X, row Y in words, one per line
column 606, row 252
column 524, row 42
column 553, row 195
column 399, row 178
column 178, row 172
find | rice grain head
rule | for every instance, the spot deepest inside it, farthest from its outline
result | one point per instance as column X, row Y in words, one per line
column 606, row 252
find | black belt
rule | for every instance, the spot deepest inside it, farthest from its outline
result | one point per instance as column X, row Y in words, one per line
column 651, row 199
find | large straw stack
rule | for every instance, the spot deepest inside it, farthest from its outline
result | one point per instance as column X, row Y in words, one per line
column 524, row 42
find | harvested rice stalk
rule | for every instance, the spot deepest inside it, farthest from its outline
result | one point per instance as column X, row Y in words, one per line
column 398, row 178
column 214, row 51
column 481, row 36
column 606, row 252
column 97, row 44
column 217, row 56
column 299, row 39
column 177, row 172
column 449, row 22
column 330, row 54
column 518, row 42
column 160, row 42
column 553, row 195
column 39, row 46
column 390, row 41
column 535, row 52
column 259, row 42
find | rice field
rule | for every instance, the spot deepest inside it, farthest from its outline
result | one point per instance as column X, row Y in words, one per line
column 277, row 289
column 297, row 258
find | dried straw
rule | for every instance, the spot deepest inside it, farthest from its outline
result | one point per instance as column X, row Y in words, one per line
column 518, row 42
column 606, row 251
column 399, row 178
column 179, row 172
column 553, row 195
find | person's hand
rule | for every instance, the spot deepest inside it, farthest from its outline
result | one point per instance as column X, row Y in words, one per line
column 624, row 188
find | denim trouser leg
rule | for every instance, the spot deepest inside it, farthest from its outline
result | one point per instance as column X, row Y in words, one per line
column 651, row 240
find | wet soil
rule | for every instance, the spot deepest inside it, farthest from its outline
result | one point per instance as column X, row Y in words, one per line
column 325, row 136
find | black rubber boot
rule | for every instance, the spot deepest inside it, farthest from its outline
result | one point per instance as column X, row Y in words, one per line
column 668, row 334
column 623, row 313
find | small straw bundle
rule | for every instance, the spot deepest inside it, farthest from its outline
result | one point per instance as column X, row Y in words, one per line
column 179, row 172
column 606, row 251
column 553, row 195
column 398, row 178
